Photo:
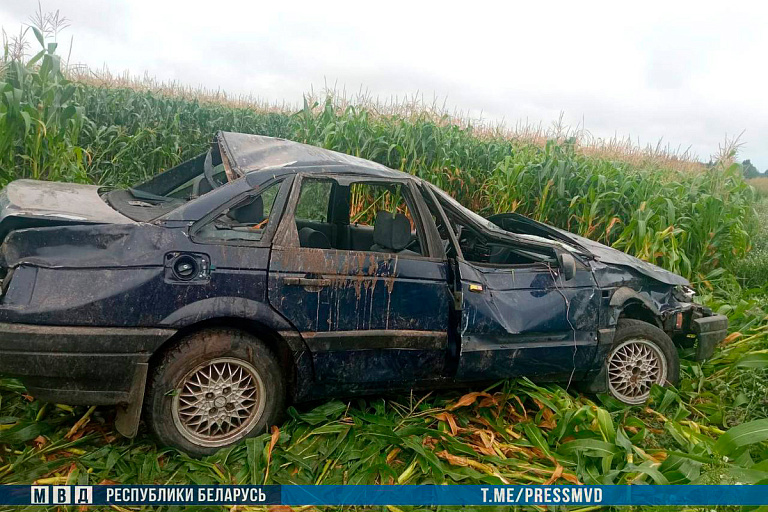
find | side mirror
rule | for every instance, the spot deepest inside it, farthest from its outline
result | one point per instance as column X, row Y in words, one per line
column 567, row 265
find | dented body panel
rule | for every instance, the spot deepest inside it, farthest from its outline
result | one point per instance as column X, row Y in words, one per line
column 82, row 283
column 527, row 321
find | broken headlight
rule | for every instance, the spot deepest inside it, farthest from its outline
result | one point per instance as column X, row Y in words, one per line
column 684, row 293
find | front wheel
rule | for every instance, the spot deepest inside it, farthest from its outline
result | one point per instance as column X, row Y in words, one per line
column 642, row 355
column 212, row 389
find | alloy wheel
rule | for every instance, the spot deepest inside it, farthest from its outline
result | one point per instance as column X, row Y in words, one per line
column 218, row 402
column 633, row 368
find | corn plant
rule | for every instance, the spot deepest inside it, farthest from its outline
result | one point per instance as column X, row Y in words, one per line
column 688, row 223
column 40, row 121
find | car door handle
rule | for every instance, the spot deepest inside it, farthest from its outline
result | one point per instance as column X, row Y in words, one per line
column 306, row 281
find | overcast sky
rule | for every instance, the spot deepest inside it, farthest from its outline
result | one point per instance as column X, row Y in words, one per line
column 686, row 73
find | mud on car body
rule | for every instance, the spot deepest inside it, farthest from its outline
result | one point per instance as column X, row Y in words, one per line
column 265, row 271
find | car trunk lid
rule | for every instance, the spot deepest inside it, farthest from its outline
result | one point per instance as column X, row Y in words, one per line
column 32, row 203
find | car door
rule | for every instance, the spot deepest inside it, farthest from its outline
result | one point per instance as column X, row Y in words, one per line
column 522, row 319
column 526, row 321
column 369, row 317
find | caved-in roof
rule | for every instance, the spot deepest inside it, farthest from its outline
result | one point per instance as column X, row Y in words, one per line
column 247, row 153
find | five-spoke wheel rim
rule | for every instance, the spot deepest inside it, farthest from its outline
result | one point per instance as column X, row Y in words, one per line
column 218, row 402
column 633, row 368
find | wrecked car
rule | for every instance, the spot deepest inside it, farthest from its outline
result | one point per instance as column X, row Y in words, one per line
column 265, row 271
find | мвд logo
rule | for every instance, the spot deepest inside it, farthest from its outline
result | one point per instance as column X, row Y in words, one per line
column 61, row 495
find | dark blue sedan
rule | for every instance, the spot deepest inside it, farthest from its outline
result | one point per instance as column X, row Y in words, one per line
column 265, row 271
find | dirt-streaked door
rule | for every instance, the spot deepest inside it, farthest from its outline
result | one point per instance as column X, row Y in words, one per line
column 370, row 318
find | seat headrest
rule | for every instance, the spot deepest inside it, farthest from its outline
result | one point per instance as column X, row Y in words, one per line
column 392, row 231
column 309, row 237
column 250, row 213
column 200, row 186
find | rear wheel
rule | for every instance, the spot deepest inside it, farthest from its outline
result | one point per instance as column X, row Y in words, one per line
column 642, row 355
column 212, row 389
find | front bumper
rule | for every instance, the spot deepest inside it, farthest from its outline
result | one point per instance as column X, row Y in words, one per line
column 78, row 365
column 709, row 331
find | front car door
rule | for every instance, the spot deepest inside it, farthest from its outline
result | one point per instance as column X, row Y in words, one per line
column 519, row 316
column 358, row 273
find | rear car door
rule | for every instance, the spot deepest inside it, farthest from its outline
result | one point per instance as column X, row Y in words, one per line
column 354, row 268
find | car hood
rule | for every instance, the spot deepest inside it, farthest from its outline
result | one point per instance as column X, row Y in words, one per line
column 518, row 223
column 612, row 256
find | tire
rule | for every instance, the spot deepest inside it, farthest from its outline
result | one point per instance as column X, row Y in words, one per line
column 642, row 354
column 212, row 389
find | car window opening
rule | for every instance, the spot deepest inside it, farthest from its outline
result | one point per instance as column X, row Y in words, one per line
column 361, row 216
column 479, row 247
column 172, row 188
column 245, row 220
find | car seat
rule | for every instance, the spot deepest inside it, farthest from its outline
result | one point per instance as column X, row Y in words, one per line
column 313, row 238
column 392, row 233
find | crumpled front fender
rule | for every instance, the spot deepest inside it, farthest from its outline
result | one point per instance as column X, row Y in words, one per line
column 625, row 295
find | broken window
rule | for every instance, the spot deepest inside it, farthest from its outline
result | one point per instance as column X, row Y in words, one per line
column 314, row 200
column 359, row 216
column 380, row 212
column 478, row 247
column 245, row 220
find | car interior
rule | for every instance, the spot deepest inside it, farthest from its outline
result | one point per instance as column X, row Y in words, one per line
column 245, row 220
column 357, row 217
column 366, row 216
column 477, row 247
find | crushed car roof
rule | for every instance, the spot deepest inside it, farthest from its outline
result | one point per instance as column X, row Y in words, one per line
column 248, row 153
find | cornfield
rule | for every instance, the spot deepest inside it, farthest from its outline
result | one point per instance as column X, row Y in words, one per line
column 691, row 222
column 695, row 220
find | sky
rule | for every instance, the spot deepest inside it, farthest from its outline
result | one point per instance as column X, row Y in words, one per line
column 688, row 74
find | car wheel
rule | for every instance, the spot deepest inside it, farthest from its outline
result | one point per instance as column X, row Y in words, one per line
column 642, row 355
column 212, row 389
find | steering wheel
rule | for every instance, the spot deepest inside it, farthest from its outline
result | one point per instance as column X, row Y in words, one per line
column 208, row 171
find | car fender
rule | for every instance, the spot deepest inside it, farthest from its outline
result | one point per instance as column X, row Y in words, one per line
column 624, row 295
column 254, row 311
column 129, row 414
column 235, row 307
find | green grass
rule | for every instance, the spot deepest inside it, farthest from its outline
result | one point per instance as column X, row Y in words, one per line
column 698, row 222
column 514, row 432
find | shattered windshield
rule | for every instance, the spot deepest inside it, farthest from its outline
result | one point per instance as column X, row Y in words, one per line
column 474, row 217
